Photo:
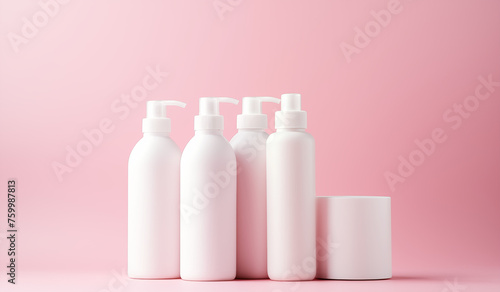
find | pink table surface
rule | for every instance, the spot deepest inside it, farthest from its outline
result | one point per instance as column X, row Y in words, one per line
column 440, row 280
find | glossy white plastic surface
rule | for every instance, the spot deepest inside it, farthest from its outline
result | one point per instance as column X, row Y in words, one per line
column 208, row 200
column 291, row 191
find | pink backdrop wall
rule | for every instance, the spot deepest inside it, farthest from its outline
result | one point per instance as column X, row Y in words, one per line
column 393, row 84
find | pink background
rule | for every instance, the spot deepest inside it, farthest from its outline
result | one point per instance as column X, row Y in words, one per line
column 364, row 114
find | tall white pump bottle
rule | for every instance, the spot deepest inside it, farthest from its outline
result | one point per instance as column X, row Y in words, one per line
column 291, row 220
column 208, row 199
column 249, row 145
column 153, row 198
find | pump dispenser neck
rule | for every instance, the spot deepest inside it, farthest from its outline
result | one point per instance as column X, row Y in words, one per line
column 209, row 117
column 252, row 117
column 291, row 116
column 156, row 121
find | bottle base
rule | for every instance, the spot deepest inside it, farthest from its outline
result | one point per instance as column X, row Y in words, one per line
column 207, row 280
column 143, row 277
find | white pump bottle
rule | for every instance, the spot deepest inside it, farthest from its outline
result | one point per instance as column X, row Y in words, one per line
column 291, row 220
column 208, row 199
column 153, row 198
column 249, row 145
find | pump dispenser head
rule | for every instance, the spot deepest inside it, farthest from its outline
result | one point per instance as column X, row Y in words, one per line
column 291, row 116
column 209, row 118
column 252, row 116
column 156, row 120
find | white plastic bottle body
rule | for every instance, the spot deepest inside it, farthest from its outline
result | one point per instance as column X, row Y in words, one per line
column 153, row 208
column 208, row 208
column 250, row 150
column 291, row 226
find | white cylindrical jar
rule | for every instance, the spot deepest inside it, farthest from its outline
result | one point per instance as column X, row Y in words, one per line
column 353, row 237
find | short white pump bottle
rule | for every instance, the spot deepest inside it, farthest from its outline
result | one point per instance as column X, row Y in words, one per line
column 208, row 199
column 153, row 198
column 291, row 220
column 249, row 145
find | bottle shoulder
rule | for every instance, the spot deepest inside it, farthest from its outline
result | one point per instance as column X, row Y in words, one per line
column 155, row 146
column 202, row 145
column 245, row 137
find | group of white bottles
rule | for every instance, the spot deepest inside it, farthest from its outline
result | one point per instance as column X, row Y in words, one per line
column 221, row 210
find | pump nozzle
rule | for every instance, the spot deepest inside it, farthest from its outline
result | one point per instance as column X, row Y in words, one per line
column 252, row 117
column 209, row 117
column 158, row 108
column 291, row 102
column 291, row 116
column 156, row 116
